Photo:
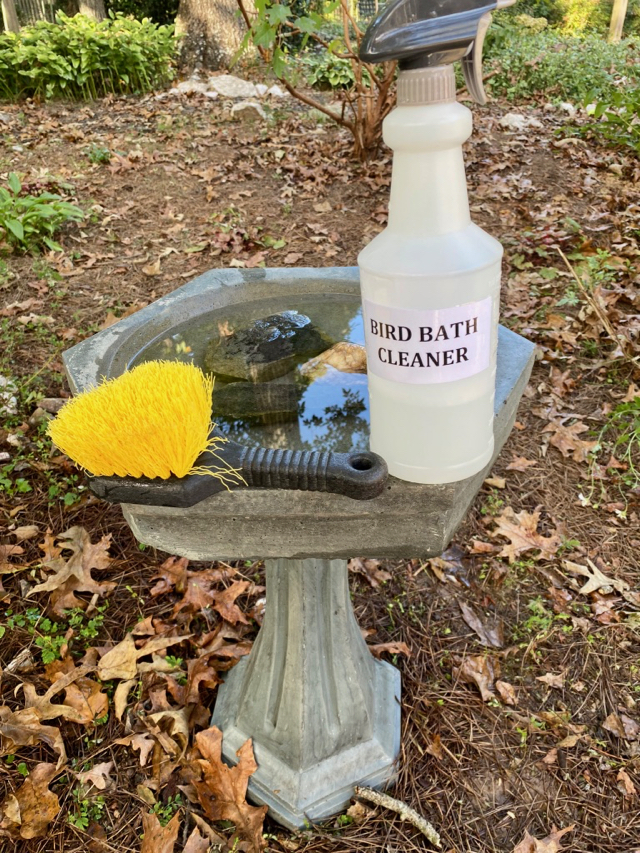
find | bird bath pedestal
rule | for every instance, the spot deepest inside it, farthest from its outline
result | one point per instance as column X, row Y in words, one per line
column 323, row 714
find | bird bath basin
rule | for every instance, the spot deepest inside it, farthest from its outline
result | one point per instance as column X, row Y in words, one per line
column 323, row 714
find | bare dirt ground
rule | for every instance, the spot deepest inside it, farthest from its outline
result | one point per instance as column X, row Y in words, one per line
column 518, row 648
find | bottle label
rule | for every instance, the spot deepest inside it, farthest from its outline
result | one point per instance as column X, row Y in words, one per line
column 424, row 347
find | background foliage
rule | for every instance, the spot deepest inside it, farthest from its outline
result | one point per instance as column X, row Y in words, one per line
column 80, row 59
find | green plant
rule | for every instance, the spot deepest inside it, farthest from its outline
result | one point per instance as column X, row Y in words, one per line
column 98, row 154
column 525, row 64
column 28, row 222
column 86, row 809
column 616, row 120
column 160, row 11
column 324, row 70
column 80, row 58
column 165, row 811
column 367, row 98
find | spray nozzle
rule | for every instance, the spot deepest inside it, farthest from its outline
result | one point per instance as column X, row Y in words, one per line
column 424, row 33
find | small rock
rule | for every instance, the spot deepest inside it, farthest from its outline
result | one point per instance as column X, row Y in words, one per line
column 8, row 399
column 5, row 457
column 232, row 87
column 276, row 92
column 212, row 95
column 261, row 89
column 267, row 349
column 52, row 404
column 39, row 416
column 518, row 122
column 248, row 111
column 6, row 118
column 191, row 85
column 568, row 108
column 17, row 148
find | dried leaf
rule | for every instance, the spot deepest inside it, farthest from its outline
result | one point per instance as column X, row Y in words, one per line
column 478, row 670
column 370, row 569
column 82, row 694
column 158, row 838
column 152, row 269
column 519, row 463
column 597, row 580
column 522, row 531
column 26, row 532
column 196, row 843
column 28, row 812
column 552, row 680
column 120, row 661
column 73, row 575
column 395, row 647
column 625, row 785
column 496, row 482
column 121, row 697
column 569, row 741
column 489, row 632
column 550, row 844
column 565, row 438
column 222, row 789
column 23, row 728
column 99, row 776
column 142, row 742
column 506, row 692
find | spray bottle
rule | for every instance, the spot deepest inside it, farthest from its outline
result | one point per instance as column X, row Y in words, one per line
column 430, row 281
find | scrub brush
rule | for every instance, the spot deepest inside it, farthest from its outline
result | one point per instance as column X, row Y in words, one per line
column 153, row 421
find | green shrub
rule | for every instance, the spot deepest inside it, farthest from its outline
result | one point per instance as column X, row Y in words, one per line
column 527, row 64
column 160, row 11
column 323, row 70
column 78, row 58
column 617, row 120
column 28, row 222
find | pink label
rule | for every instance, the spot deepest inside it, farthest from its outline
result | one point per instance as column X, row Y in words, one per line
column 424, row 347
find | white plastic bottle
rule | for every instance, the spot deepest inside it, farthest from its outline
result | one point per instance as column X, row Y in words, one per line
column 430, row 289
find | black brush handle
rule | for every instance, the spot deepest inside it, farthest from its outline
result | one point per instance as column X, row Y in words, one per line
column 359, row 475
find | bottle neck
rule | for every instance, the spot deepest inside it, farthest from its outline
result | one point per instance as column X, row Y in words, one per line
column 428, row 185
column 428, row 193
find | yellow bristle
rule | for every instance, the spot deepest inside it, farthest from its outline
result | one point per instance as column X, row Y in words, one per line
column 152, row 421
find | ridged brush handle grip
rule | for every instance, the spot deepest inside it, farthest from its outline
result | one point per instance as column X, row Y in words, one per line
column 359, row 475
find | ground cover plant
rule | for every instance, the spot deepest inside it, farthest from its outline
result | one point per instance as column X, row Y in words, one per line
column 81, row 59
column 518, row 647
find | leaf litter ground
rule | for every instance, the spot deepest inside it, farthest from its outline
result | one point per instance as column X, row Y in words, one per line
column 518, row 647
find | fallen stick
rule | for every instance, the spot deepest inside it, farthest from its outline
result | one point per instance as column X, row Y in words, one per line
column 403, row 811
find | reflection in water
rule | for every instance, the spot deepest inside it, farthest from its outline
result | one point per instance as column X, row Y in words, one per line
column 328, row 410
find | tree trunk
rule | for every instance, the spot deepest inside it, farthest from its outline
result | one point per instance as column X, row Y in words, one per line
column 211, row 33
column 10, row 17
column 618, row 15
column 92, row 9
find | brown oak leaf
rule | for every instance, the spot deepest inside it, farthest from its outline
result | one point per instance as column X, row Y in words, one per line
column 550, row 844
column 370, row 569
column 478, row 670
column 23, row 728
column 73, row 575
column 565, row 438
column 159, row 838
column 222, row 790
column 28, row 812
column 522, row 531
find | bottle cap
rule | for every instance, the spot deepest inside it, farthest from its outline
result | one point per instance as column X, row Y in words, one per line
column 425, row 34
column 427, row 85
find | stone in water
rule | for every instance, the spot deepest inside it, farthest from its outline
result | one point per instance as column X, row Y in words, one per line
column 268, row 348
column 273, row 402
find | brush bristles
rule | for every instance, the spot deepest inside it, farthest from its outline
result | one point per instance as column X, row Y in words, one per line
column 152, row 421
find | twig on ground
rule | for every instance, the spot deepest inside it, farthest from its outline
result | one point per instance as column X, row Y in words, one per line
column 403, row 811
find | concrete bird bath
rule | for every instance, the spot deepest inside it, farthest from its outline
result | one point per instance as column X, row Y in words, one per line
column 323, row 714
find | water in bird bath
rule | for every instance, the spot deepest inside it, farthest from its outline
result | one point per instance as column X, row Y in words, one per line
column 291, row 404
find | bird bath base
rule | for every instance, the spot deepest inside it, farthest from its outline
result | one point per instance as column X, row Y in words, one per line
column 323, row 713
